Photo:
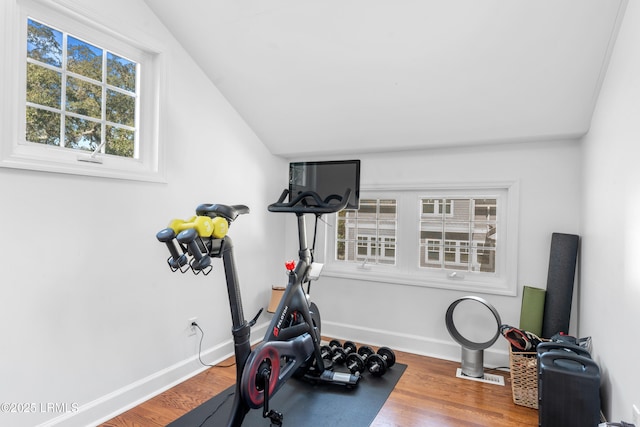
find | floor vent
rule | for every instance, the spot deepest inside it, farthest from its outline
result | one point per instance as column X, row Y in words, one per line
column 487, row 378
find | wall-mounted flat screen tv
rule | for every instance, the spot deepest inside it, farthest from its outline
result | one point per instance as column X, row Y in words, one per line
column 326, row 178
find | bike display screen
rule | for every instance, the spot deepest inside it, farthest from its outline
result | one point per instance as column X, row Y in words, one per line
column 326, row 178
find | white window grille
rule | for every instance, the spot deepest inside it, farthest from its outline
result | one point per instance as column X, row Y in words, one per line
column 83, row 96
column 461, row 236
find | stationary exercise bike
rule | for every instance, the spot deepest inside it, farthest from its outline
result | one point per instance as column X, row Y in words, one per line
column 291, row 345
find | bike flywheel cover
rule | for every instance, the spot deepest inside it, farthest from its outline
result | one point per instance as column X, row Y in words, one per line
column 251, row 391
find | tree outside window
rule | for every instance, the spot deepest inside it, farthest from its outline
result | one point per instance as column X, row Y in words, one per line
column 79, row 96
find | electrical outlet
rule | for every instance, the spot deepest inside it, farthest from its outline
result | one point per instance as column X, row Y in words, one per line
column 636, row 416
column 191, row 329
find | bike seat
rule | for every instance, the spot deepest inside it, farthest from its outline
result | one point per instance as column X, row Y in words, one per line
column 230, row 213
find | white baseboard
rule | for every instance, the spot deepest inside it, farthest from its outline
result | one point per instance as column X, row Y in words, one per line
column 115, row 403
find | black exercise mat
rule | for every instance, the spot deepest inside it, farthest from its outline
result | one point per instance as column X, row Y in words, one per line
column 305, row 404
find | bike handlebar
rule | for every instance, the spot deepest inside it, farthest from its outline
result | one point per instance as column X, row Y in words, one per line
column 300, row 204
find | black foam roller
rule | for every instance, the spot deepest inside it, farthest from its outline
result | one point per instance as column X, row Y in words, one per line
column 560, row 279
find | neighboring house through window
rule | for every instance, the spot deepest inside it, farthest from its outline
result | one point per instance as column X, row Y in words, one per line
column 461, row 236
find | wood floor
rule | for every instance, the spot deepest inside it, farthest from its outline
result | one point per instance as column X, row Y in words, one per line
column 427, row 395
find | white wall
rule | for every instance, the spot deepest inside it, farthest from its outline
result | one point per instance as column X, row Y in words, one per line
column 610, row 272
column 412, row 318
column 89, row 312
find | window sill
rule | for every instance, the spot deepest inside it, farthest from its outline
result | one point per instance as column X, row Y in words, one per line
column 111, row 167
column 493, row 286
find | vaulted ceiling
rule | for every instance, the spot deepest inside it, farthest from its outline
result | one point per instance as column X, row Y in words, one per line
column 353, row 76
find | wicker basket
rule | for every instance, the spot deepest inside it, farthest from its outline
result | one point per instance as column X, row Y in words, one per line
column 524, row 378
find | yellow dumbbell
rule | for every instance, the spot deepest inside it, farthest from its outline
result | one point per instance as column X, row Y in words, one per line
column 202, row 224
column 220, row 227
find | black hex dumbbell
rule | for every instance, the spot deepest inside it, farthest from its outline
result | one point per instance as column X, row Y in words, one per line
column 356, row 362
column 201, row 260
column 326, row 352
column 340, row 353
column 333, row 346
column 377, row 364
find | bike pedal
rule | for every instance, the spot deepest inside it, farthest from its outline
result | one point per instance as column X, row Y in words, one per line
column 275, row 417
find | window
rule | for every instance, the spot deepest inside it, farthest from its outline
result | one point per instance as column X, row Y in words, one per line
column 436, row 207
column 86, row 94
column 462, row 236
column 79, row 96
column 457, row 237
column 368, row 234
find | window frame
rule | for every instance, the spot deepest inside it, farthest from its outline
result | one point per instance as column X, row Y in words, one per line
column 407, row 270
column 80, row 21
